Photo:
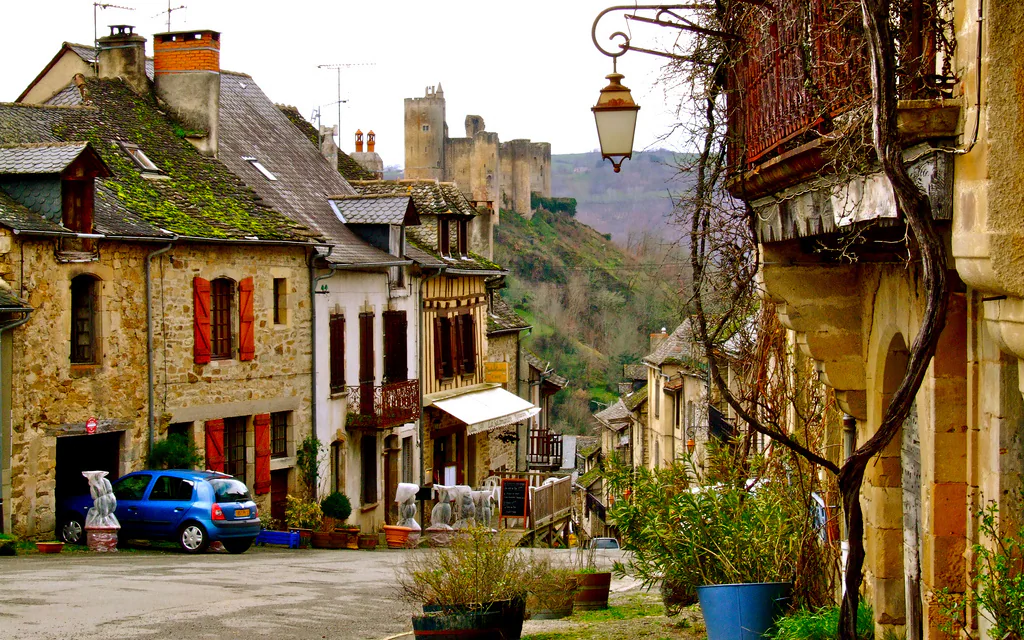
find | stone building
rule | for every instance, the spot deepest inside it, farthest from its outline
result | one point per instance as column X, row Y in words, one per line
column 489, row 172
column 137, row 254
column 960, row 447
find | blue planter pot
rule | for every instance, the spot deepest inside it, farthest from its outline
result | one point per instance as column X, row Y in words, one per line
column 742, row 611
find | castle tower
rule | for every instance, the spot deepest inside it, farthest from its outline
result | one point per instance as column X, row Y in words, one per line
column 425, row 135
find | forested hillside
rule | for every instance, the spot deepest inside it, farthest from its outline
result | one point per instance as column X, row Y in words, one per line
column 625, row 204
column 592, row 304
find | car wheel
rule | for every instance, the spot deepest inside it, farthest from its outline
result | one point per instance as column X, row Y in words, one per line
column 72, row 530
column 192, row 538
column 238, row 545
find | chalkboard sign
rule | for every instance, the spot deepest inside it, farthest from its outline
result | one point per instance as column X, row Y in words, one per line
column 514, row 497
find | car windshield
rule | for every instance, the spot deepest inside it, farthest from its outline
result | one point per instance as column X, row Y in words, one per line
column 605, row 543
column 229, row 490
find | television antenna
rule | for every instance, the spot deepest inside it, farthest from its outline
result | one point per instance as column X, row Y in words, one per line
column 96, row 6
column 169, row 11
column 338, row 67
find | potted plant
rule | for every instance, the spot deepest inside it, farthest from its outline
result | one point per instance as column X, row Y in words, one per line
column 397, row 537
column 368, row 541
column 303, row 516
column 593, row 585
column 337, row 509
column 176, row 451
column 733, row 542
column 476, row 586
column 8, row 545
column 552, row 589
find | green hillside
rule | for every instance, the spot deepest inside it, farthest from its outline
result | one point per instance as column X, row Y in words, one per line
column 625, row 204
column 592, row 304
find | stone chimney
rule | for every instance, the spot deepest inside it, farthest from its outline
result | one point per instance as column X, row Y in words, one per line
column 186, row 68
column 658, row 338
column 122, row 54
column 329, row 148
column 369, row 160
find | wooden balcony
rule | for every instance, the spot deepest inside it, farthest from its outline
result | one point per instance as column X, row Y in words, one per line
column 383, row 406
column 545, row 448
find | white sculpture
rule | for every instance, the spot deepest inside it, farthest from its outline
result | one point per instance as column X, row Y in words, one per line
column 441, row 514
column 466, row 512
column 405, row 496
column 101, row 514
column 484, row 501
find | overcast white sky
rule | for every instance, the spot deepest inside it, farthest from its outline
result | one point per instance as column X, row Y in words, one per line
column 528, row 67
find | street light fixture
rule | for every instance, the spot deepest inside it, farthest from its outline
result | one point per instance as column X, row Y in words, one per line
column 615, row 114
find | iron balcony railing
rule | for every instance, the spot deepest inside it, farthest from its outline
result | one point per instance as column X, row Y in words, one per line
column 383, row 406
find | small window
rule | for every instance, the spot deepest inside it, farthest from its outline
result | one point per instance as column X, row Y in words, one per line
column 84, row 307
column 139, row 157
column 222, row 295
column 171, row 488
column 279, row 434
column 444, row 239
column 463, row 238
column 259, row 167
column 280, row 300
column 234, row 447
column 426, row 127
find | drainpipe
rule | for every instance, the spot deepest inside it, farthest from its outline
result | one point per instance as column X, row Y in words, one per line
column 149, row 337
column 314, row 280
column 7, row 444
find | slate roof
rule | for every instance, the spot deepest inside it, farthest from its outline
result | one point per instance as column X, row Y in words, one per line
column 347, row 167
column 251, row 125
column 502, row 318
column 534, row 361
column 616, row 417
column 375, row 209
column 635, row 399
column 679, row 348
column 44, row 158
column 432, row 198
column 88, row 55
column 15, row 216
column 634, row 371
column 198, row 197
column 586, row 445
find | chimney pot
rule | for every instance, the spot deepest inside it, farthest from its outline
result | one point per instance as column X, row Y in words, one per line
column 359, row 141
column 371, row 140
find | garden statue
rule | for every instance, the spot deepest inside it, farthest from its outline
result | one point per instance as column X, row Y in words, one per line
column 406, row 499
column 441, row 514
column 466, row 513
column 101, row 524
column 484, row 501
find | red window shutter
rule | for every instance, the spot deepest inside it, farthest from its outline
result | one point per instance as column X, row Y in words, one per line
column 396, row 336
column 246, row 324
column 201, row 320
column 261, row 424
column 438, row 352
column 215, row 445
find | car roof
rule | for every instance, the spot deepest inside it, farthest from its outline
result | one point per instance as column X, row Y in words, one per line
column 185, row 473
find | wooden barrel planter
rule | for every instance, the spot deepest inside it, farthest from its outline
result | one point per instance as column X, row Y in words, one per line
column 593, row 591
column 339, row 539
column 320, row 539
column 491, row 621
column 397, row 537
column 368, row 541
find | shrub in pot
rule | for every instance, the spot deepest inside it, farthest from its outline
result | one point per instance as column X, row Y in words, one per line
column 552, row 589
column 336, row 508
column 8, row 545
column 304, row 516
column 466, row 583
column 176, row 451
column 592, row 584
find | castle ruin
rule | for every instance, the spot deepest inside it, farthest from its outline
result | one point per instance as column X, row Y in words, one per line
column 489, row 172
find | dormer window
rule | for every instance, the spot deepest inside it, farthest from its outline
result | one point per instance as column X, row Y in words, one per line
column 139, row 157
column 463, row 238
column 259, row 167
column 444, row 238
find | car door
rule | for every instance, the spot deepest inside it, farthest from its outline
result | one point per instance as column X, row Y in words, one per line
column 130, row 491
column 166, row 504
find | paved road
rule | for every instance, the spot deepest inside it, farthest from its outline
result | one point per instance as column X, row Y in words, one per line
column 163, row 595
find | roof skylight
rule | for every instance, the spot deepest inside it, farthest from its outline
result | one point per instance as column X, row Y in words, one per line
column 138, row 156
column 259, row 167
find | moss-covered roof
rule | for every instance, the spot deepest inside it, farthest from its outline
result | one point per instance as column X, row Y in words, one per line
column 193, row 196
column 635, row 399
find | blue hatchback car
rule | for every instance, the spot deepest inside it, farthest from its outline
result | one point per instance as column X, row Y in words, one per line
column 193, row 508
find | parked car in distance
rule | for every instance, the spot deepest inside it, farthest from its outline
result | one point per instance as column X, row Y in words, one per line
column 192, row 508
column 604, row 543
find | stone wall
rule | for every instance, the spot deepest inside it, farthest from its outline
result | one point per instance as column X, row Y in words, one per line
column 425, row 149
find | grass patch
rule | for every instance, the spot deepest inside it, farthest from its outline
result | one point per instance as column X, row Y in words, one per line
column 553, row 635
column 822, row 624
column 634, row 608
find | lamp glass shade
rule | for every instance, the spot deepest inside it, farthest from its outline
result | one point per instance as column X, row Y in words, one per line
column 615, row 130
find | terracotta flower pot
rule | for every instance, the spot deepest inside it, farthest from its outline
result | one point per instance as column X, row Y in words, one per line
column 397, row 537
column 50, row 547
column 353, row 538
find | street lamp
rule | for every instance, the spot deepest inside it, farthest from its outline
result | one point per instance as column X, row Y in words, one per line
column 615, row 115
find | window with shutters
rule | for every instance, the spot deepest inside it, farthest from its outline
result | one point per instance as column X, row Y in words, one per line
column 368, row 458
column 279, row 434
column 84, row 311
column 463, row 237
column 396, row 340
column 467, row 343
column 444, row 237
column 337, row 329
column 234, row 447
column 443, row 352
column 222, row 293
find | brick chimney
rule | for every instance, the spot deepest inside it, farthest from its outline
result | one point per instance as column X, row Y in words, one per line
column 359, row 140
column 122, row 54
column 186, row 67
column 658, row 338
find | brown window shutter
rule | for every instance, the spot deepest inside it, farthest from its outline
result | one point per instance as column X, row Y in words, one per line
column 246, row 324
column 396, row 336
column 456, row 349
column 201, row 320
column 261, row 425
column 468, row 343
column 215, row 445
column 438, row 351
column 337, row 353
column 366, row 374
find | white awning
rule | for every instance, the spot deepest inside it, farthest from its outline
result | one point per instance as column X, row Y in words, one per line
column 487, row 409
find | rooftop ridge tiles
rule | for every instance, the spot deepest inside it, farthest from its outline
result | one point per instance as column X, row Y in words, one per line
column 51, row 107
column 43, row 145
